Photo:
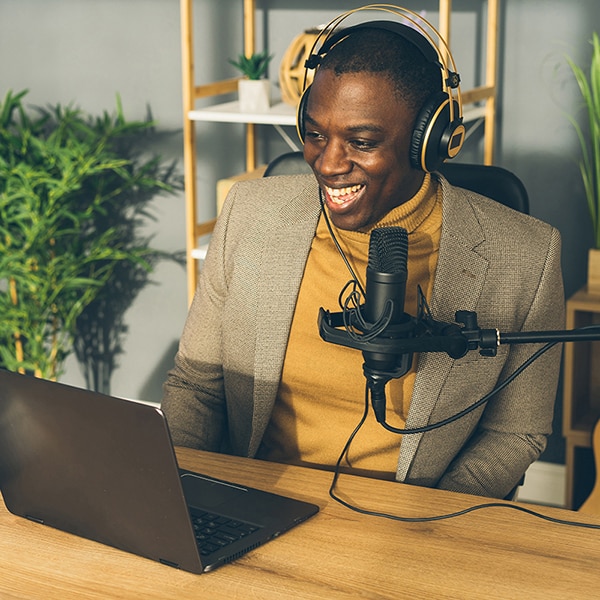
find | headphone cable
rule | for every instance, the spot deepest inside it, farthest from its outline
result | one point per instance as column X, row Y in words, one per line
column 355, row 279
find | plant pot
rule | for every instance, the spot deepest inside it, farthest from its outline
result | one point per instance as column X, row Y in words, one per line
column 254, row 95
column 593, row 281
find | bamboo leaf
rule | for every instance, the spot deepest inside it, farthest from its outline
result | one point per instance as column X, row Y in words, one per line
column 589, row 138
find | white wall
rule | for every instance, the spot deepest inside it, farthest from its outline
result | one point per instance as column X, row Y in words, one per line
column 85, row 51
column 537, row 141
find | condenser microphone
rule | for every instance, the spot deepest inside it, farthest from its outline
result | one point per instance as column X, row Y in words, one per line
column 385, row 293
column 384, row 311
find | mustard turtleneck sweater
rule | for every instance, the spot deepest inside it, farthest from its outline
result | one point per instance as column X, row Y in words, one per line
column 321, row 395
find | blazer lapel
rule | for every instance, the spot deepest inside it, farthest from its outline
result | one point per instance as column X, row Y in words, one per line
column 459, row 279
column 282, row 267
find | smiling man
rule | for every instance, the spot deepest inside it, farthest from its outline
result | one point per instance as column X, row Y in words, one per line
column 252, row 375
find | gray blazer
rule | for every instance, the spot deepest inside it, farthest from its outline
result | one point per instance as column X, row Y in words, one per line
column 492, row 260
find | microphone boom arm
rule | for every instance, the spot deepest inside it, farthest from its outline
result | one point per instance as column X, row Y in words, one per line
column 455, row 339
column 425, row 334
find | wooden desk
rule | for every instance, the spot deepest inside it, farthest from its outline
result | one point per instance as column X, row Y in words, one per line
column 492, row 553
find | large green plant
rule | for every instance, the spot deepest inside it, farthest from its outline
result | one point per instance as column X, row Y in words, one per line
column 66, row 226
column 589, row 134
column 101, row 326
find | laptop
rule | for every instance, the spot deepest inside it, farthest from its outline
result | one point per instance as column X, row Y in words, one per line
column 104, row 468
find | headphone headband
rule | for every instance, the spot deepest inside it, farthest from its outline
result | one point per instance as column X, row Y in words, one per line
column 439, row 132
column 445, row 60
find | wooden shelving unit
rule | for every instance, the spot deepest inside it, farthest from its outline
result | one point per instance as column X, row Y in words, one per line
column 479, row 103
column 581, row 398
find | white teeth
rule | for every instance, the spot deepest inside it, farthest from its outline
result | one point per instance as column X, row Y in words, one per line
column 337, row 192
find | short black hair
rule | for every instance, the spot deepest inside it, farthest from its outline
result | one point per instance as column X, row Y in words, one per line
column 374, row 50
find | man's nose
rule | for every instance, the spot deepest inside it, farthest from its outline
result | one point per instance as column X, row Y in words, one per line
column 333, row 159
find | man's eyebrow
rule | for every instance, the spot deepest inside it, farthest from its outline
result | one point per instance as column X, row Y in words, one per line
column 361, row 127
column 366, row 127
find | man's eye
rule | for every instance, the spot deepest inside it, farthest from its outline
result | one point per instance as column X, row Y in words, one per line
column 364, row 144
column 313, row 135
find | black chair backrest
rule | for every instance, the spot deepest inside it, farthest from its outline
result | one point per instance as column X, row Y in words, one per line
column 494, row 182
column 290, row 163
column 491, row 181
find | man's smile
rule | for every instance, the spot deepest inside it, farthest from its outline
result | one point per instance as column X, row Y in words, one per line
column 343, row 195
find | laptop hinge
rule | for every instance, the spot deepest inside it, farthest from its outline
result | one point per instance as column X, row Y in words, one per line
column 34, row 519
column 169, row 563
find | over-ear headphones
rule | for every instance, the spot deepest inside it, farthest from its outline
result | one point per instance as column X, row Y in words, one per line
column 438, row 133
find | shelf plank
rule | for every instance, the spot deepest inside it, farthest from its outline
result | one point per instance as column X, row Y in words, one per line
column 229, row 112
column 279, row 114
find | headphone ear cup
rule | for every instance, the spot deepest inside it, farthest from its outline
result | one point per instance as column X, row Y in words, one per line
column 430, row 124
column 435, row 137
column 300, row 114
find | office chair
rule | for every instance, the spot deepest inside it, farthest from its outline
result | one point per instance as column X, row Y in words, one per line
column 290, row 163
column 494, row 182
column 491, row 181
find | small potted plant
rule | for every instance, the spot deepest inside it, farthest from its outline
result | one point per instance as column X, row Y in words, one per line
column 589, row 139
column 254, row 89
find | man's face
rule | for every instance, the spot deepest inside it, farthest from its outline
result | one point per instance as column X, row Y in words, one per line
column 357, row 140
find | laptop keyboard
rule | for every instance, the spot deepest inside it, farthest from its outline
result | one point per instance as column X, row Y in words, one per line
column 215, row 531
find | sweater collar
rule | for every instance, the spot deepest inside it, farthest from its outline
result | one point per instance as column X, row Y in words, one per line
column 409, row 215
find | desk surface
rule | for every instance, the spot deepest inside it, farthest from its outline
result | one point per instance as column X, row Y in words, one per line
column 490, row 553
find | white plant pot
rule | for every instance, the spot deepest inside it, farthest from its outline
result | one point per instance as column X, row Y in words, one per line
column 254, row 95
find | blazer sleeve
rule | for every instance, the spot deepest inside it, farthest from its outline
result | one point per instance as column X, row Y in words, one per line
column 193, row 393
column 514, row 426
column 220, row 392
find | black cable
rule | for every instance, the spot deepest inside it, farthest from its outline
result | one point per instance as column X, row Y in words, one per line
column 485, row 399
column 475, row 405
column 336, row 472
column 373, row 513
column 337, row 244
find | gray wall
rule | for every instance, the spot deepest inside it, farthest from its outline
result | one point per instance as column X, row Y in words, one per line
column 86, row 51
